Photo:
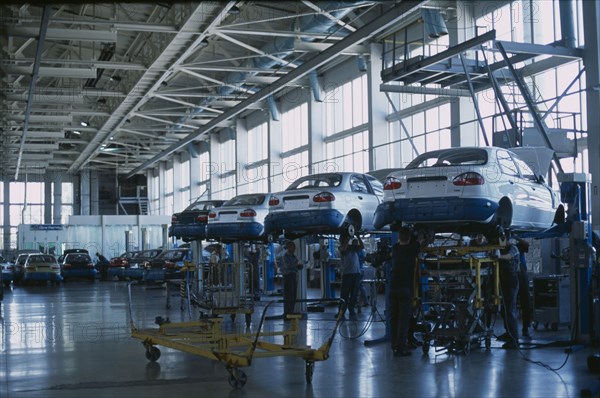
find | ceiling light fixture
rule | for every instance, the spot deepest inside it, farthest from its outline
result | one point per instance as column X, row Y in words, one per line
column 84, row 123
column 115, row 78
column 76, row 132
column 234, row 10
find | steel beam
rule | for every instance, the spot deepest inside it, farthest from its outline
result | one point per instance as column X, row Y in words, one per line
column 539, row 123
column 474, row 98
column 109, row 36
column 400, row 70
column 38, row 56
column 447, row 92
column 540, row 49
column 373, row 27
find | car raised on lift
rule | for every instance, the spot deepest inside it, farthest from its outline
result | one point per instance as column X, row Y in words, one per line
column 328, row 203
column 190, row 224
column 470, row 190
column 240, row 218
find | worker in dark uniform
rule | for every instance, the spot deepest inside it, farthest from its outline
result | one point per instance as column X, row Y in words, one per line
column 350, row 270
column 509, row 283
column 102, row 264
column 289, row 268
column 404, row 259
column 524, row 297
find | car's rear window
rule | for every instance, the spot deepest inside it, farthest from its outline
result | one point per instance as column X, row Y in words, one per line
column 148, row 253
column 317, row 181
column 450, row 157
column 78, row 257
column 41, row 259
column 246, row 200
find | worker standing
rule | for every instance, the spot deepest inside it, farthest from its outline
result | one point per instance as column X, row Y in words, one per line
column 404, row 258
column 509, row 283
column 289, row 269
column 350, row 270
column 524, row 298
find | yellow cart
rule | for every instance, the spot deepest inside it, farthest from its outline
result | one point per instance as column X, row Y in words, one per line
column 206, row 338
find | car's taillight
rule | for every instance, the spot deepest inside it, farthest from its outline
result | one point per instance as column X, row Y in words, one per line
column 30, row 267
column 470, row 178
column 212, row 214
column 55, row 267
column 248, row 213
column 202, row 218
column 66, row 266
column 11, row 268
column 273, row 201
column 90, row 265
column 323, row 197
column 169, row 265
column 391, row 183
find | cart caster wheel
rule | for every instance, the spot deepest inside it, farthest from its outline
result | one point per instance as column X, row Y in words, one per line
column 248, row 320
column 152, row 354
column 310, row 368
column 237, row 378
column 488, row 342
column 425, row 348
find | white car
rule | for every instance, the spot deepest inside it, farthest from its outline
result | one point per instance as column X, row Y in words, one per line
column 239, row 219
column 328, row 203
column 42, row 267
column 468, row 190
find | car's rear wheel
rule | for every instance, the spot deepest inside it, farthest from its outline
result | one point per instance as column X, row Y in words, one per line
column 352, row 224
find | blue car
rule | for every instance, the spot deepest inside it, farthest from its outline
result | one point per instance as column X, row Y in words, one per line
column 191, row 223
column 78, row 265
column 240, row 218
column 8, row 271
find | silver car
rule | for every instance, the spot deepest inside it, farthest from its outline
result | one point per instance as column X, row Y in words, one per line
column 240, row 218
column 328, row 203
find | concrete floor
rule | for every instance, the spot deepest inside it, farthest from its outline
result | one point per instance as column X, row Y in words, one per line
column 73, row 341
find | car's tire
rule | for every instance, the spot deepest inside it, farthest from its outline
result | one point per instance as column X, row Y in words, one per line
column 560, row 216
column 503, row 216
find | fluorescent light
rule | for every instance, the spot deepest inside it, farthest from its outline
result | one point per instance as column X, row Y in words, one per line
column 84, row 123
column 76, row 132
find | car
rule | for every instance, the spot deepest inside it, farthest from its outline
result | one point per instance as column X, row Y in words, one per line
column 19, row 265
column 42, row 267
column 122, row 260
column 138, row 264
column 328, row 203
column 240, row 218
column 470, row 190
column 77, row 264
column 8, row 271
column 190, row 224
column 166, row 266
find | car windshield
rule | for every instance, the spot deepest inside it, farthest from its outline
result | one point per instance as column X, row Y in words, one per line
column 317, row 181
column 246, row 200
column 450, row 157
column 202, row 206
column 173, row 255
column 148, row 253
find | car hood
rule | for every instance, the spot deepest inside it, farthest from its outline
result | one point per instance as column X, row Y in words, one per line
column 538, row 158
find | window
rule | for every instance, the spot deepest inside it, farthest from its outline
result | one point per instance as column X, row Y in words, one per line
column 346, row 106
column 257, row 143
column 358, row 184
column 507, row 165
column 294, row 126
column 256, row 173
column 185, row 185
column 169, row 201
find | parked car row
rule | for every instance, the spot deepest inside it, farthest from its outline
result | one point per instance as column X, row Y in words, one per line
column 465, row 190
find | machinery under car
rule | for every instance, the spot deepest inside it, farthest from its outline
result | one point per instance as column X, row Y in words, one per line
column 470, row 190
column 329, row 203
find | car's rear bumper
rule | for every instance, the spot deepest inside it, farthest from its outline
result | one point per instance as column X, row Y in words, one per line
column 8, row 276
column 42, row 276
column 440, row 210
column 235, row 231
column 189, row 231
column 324, row 220
column 79, row 273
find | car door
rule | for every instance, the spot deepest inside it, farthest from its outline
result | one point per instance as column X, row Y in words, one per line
column 540, row 207
column 366, row 199
column 510, row 185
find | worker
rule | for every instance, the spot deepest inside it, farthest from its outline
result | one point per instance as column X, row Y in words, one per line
column 524, row 298
column 509, row 284
column 254, row 260
column 290, row 265
column 350, row 270
column 214, row 261
column 102, row 264
column 404, row 258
